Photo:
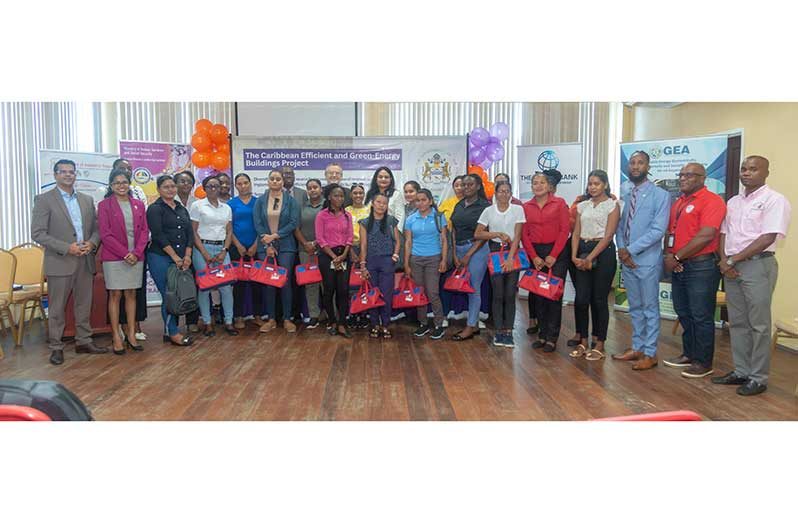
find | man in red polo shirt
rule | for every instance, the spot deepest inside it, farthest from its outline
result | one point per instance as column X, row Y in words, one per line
column 690, row 246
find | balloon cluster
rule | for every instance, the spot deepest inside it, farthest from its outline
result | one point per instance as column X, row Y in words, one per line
column 486, row 147
column 211, row 143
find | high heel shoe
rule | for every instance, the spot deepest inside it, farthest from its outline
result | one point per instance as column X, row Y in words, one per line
column 137, row 348
column 118, row 352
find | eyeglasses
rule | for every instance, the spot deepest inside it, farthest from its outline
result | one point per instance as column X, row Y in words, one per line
column 124, row 182
column 690, row 175
column 212, row 186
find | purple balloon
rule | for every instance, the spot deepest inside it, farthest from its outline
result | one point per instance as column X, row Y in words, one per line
column 493, row 139
column 479, row 136
column 203, row 173
column 500, row 130
column 486, row 164
column 476, row 154
column 494, row 151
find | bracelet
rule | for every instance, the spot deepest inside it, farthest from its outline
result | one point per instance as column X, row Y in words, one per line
column 675, row 257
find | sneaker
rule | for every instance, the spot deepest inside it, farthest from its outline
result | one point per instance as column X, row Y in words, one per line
column 751, row 388
column 481, row 325
column 696, row 370
column 312, row 324
column 268, row 326
column 437, row 333
column 445, row 323
column 422, row 329
column 140, row 336
column 289, row 326
column 364, row 322
column 681, row 361
column 498, row 340
column 508, row 340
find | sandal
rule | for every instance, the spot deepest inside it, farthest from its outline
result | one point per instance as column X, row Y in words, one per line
column 332, row 330
column 386, row 334
column 375, row 332
column 578, row 352
column 458, row 337
column 550, row 346
column 594, row 355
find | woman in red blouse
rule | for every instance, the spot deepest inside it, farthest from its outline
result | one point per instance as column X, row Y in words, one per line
column 544, row 237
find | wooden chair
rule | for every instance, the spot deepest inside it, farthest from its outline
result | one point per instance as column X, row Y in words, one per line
column 785, row 329
column 29, row 274
column 720, row 297
column 8, row 265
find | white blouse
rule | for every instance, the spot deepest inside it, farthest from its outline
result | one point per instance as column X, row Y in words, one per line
column 593, row 218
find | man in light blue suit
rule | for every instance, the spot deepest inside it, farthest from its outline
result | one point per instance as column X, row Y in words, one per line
column 639, row 238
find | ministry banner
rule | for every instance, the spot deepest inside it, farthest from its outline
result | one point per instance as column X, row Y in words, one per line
column 433, row 161
column 149, row 160
column 91, row 169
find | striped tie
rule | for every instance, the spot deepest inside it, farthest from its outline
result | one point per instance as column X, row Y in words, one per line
column 627, row 231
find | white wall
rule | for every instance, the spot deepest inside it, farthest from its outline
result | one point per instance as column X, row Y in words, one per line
column 296, row 119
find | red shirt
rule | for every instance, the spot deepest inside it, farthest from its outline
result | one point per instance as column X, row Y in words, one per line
column 689, row 214
column 548, row 224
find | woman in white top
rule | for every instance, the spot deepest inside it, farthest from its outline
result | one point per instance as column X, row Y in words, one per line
column 383, row 182
column 593, row 255
column 501, row 225
column 212, row 221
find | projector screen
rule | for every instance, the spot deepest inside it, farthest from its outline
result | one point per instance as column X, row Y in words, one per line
column 296, row 119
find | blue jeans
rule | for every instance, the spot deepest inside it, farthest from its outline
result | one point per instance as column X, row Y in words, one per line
column 477, row 266
column 204, row 297
column 381, row 269
column 159, row 268
column 269, row 296
column 642, row 289
column 694, row 293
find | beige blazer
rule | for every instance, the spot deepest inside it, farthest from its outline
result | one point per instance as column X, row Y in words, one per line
column 52, row 228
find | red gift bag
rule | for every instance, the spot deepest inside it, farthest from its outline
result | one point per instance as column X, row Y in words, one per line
column 308, row 273
column 495, row 260
column 355, row 278
column 215, row 275
column 243, row 268
column 269, row 274
column 366, row 297
column 459, row 281
column 408, row 294
column 543, row 284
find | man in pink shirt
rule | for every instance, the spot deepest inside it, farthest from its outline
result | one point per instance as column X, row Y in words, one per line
column 754, row 220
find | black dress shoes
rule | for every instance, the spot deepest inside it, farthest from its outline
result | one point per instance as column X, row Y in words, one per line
column 751, row 388
column 57, row 357
column 90, row 348
column 730, row 379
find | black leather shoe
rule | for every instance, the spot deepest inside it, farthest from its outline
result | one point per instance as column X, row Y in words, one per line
column 730, row 379
column 57, row 357
column 90, row 348
column 751, row 388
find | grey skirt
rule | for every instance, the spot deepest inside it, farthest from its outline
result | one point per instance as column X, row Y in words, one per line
column 120, row 276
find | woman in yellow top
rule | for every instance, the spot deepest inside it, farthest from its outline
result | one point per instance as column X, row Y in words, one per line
column 359, row 211
column 447, row 206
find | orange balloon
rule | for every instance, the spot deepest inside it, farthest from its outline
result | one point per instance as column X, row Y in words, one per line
column 478, row 170
column 199, row 192
column 201, row 141
column 489, row 188
column 224, row 148
column 220, row 161
column 219, row 133
column 201, row 159
column 203, row 124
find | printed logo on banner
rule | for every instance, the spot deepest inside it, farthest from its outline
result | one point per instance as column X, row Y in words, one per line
column 548, row 159
column 142, row 175
column 434, row 168
column 655, row 152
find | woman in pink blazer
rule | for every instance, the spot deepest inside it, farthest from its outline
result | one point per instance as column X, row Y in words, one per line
column 124, row 235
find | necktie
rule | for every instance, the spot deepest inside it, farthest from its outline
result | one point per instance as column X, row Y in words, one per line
column 632, row 208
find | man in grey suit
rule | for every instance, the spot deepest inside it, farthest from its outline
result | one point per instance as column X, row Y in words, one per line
column 297, row 193
column 64, row 222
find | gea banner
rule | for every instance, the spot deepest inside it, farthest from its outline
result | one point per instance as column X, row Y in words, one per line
column 433, row 161
column 566, row 158
column 666, row 159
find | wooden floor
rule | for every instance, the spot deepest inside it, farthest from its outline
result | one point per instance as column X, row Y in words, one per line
column 312, row 376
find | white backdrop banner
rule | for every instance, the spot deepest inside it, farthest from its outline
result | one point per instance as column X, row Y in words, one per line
column 433, row 161
column 92, row 170
column 566, row 158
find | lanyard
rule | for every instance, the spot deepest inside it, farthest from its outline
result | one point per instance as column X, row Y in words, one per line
column 684, row 204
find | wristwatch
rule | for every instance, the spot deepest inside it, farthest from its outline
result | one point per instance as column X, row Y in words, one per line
column 730, row 262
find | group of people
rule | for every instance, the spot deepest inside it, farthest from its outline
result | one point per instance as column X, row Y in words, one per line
column 381, row 229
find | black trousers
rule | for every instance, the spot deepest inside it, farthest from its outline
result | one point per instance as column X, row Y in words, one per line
column 592, row 290
column 335, row 287
column 549, row 312
column 505, row 290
